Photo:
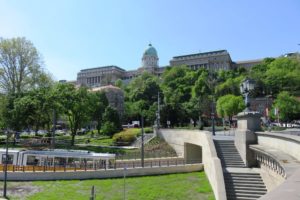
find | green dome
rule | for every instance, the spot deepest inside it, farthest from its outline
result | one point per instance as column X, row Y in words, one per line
column 150, row 51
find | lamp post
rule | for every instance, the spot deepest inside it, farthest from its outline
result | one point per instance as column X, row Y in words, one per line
column 246, row 86
column 142, row 149
column 158, row 112
column 5, row 167
column 53, row 129
column 211, row 83
column 213, row 116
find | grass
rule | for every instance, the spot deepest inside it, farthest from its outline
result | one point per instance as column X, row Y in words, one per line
column 164, row 187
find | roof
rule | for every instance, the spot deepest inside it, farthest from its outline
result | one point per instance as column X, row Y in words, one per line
column 150, row 51
column 103, row 67
column 64, row 153
column 69, row 153
column 249, row 61
column 109, row 87
column 10, row 150
column 202, row 54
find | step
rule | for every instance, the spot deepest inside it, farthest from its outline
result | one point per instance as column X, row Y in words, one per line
column 244, row 195
column 247, row 188
column 243, row 178
column 233, row 164
column 249, row 185
column 234, row 191
column 231, row 156
column 237, row 182
column 231, row 159
column 241, row 198
column 242, row 175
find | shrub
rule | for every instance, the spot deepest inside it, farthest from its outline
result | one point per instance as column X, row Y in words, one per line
column 109, row 128
column 148, row 130
column 126, row 137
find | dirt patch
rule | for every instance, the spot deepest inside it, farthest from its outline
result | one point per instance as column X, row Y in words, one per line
column 21, row 190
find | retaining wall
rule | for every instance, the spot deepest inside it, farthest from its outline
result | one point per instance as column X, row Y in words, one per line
column 212, row 164
column 110, row 173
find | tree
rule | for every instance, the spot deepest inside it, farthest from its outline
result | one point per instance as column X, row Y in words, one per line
column 20, row 65
column 76, row 105
column 100, row 104
column 230, row 86
column 35, row 108
column 111, row 120
column 283, row 74
column 177, row 85
column 141, row 96
column 229, row 105
column 288, row 107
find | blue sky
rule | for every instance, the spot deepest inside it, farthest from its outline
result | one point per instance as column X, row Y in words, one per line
column 77, row 34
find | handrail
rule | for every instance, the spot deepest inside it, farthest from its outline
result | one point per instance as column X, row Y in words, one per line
column 96, row 167
column 267, row 160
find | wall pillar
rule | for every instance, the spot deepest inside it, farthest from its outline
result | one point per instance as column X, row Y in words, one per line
column 248, row 123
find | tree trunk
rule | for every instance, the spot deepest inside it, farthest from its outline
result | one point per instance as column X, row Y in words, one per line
column 73, row 138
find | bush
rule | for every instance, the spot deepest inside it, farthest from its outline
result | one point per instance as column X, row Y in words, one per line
column 126, row 137
column 109, row 128
column 148, row 130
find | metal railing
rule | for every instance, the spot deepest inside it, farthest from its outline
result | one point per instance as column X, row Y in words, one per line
column 96, row 167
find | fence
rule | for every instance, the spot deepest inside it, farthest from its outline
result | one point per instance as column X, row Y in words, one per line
column 94, row 167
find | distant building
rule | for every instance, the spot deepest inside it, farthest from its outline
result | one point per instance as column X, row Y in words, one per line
column 107, row 75
column 248, row 64
column 100, row 76
column 114, row 95
column 215, row 60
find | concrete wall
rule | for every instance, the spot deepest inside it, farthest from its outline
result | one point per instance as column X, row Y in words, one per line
column 288, row 144
column 288, row 190
column 34, row 176
column 192, row 153
column 270, row 178
column 281, row 189
column 248, row 123
column 243, row 138
column 212, row 165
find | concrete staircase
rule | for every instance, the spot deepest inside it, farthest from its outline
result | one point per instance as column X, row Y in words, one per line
column 228, row 154
column 240, row 182
column 138, row 142
column 246, row 186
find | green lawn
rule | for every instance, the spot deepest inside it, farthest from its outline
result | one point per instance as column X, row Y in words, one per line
column 166, row 187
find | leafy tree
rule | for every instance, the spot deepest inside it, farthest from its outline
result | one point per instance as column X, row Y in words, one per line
column 76, row 105
column 283, row 74
column 141, row 95
column 20, row 65
column 35, row 108
column 111, row 120
column 200, row 102
column 230, row 86
column 288, row 106
column 100, row 104
column 229, row 105
column 177, row 85
column 119, row 83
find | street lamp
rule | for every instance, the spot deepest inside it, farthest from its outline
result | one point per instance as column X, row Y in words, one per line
column 246, row 87
column 5, row 166
column 142, row 148
column 158, row 112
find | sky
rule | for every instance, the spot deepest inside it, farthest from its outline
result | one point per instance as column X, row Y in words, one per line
column 72, row 35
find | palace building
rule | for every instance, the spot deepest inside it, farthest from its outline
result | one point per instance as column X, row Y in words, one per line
column 107, row 75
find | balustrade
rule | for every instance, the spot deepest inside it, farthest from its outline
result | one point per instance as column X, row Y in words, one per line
column 269, row 162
